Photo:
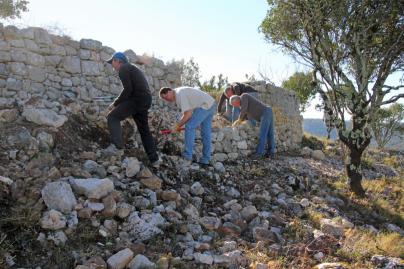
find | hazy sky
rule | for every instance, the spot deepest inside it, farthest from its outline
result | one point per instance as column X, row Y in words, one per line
column 221, row 35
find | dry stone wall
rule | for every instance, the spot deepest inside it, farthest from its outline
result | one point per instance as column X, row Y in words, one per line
column 44, row 77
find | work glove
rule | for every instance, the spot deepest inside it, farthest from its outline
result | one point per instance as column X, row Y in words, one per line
column 176, row 128
column 237, row 122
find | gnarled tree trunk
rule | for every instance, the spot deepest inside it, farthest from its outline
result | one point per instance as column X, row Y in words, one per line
column 357, row 140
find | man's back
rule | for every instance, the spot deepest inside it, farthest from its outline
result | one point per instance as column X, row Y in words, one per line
column 251, row 107
column 190, row 98
column 135, row 84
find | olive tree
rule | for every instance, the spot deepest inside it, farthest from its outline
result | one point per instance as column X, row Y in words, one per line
column 353, row 46
column 12, row 8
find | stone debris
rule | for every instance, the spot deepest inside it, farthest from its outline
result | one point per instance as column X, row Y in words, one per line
column 58, row 162
column 59, row 196
column 120, row 259
column 92, row 188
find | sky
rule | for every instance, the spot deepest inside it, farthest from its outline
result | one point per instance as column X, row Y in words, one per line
column 220, row 35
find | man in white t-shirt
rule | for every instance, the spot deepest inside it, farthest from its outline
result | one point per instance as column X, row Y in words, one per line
column 197, row 109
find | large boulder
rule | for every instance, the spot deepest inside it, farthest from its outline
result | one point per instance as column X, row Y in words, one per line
column 92, row 188
column 59, row 196
column 43, row 116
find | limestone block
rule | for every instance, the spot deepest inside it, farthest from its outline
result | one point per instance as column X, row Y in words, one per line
column 92, row 187
column 36, row 74
column 42, row 37
column 90, row 44
column 120, row 259
column 59, row 196
column 71, row 64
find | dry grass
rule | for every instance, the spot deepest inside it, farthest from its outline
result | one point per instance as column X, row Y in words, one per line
column 360, row 245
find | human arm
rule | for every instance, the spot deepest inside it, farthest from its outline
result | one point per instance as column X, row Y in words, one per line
column 124, row 75
column 184, row 118
column 221, row 102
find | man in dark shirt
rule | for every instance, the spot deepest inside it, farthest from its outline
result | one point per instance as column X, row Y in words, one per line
column 252, row 108
column 236, row 88
column 134, row 100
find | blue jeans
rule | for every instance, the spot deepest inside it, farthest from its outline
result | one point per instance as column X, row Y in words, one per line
column 202, row 117
column 266, row 134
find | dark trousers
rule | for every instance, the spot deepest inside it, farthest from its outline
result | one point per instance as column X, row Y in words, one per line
column 121, row 112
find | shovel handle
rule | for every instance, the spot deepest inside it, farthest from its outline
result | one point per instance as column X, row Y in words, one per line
column 168, row 131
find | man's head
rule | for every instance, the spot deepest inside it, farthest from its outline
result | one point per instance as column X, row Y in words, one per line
column 117, row 59
column 167, row 94
column 228, row 91
column 235, row 100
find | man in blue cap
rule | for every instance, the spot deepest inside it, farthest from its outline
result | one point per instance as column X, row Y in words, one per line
column 134, row 100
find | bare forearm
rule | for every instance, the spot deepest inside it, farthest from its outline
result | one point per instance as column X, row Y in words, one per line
column 185, row 117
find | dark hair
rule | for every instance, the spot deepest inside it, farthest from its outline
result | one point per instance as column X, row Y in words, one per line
column 164, row 91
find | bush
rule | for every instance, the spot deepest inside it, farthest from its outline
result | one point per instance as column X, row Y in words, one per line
column 313, row 142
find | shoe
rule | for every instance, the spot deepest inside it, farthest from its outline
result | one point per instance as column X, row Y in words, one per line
column 156, row 164
column 256, row 156
column 270, row 156
column 203, row 164
column 186, row 162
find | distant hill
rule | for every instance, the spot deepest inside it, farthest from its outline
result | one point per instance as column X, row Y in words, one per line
column 317, row 127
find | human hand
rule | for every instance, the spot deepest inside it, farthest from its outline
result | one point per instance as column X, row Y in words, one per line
column 237, row 122
column 176, row 128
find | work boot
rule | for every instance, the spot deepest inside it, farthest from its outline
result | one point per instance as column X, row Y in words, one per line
column 256, row 156
column 156, row 164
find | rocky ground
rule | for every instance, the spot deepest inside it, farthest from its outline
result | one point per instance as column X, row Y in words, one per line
column 69, row 200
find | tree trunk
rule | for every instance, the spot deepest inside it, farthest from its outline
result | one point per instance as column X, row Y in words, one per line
column 354, row 171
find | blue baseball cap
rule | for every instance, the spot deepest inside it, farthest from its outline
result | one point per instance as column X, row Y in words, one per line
column 118, row 55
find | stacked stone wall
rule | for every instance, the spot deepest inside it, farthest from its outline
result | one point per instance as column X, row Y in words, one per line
column 44, row 77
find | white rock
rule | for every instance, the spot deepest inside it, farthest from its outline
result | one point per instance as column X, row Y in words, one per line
column 92, row 188
column 59, row 238
column 197, row 189
column 219, row 167
column 329, row 226
column 53, row 220
column 261, row 266
column 203, row 258
column 145, row 227
column 59, row 196
column 304, row 202
column 319, row 256
column 132, row 166
column 318, row 155
column 6, row 180
column 44, row 117
column 249, row 212
column 141, row 262
column 95, row 206
column 120, row 259
column 242, row 145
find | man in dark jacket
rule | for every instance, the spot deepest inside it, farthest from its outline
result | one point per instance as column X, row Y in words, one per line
column 233, row 89
column 134, row 100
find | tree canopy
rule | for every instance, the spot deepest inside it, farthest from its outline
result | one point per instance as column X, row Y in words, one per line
column 353, row 47
column 12, row 8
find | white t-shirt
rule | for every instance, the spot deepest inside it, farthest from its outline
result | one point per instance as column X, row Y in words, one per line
column 188, row 98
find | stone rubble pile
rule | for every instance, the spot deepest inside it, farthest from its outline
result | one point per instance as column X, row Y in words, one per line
column 203, row 216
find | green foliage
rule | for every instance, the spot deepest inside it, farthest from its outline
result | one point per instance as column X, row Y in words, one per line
column 388, row 122
column 302, row 84
column 12, row 8
column 353, row 47
column 191, row 76
column 312, row 142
